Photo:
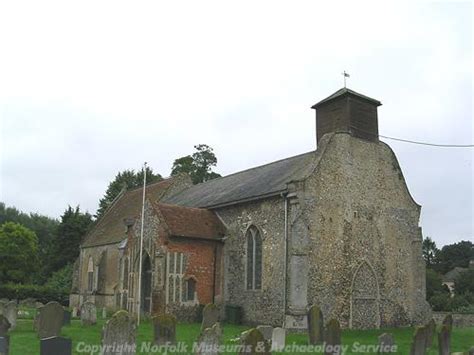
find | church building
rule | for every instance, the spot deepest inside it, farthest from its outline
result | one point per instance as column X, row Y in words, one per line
column 336, row 227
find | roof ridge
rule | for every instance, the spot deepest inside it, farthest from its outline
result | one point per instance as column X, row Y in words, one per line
column 158, row 204
column 150, row 184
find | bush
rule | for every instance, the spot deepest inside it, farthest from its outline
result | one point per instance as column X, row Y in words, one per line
column 457, row 302
column 440, row 301
column 61, row 279
column 43, row 294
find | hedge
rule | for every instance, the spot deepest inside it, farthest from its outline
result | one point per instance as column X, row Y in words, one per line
column 43, row 294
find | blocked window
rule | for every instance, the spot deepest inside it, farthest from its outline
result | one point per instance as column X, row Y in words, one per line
column 254, row 259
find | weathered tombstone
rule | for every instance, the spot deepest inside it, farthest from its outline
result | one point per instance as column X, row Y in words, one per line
column 444, row 340
column 418, row 346
column 104, row 313
column 88, row 313
column 210, row 316
column 4, row 325
column 56, row 346
column 209, row 340
column 11, row 312
column 119, row 334
column 38, row 304
column 28, row 302
column 315, row 325
column 4, row 344
column 252, row 342
column 75, row 312
column 386, row 344
column 67, row 317
column 332, row 337
column 164, row 329
column 278, row 339
column 267, row 331
column 448, row 320
column 50, row 320
column 430, row 333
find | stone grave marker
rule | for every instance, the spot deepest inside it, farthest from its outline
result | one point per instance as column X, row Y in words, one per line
column 38, row 304
column 252, row 342
column 119, row 334
column 55, row 346
column 471, row 351
column 4, row 344
column 28, row 302
column 267, row 331
column 386, row 344
column 278, row 339
column 210, row 316
column 418, row 346
column 4, row 325
column 444, row 340
column 448, row 320
column 164, row 326
column 75, row 312
column 315, row 325
column 332, row 337
column 67, row 317
column 11, row 312
column 209, row 340
column 88, row 313
column 36, row 318
column 50, row 320
column 430, row 333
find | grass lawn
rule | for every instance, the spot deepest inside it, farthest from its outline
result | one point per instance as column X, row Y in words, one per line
column 24, row 341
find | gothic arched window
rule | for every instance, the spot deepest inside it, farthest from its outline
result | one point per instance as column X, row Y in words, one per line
column 254, row 259
column 90, row 274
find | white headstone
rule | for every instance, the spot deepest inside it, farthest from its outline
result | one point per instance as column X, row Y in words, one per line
column 278, row 339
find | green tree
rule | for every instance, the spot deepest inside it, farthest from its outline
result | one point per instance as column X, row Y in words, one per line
column 434, row 284
column 18, row 253
column 61, row 280
column 464, row 283
column 430, row 252
column 74, row 225
column 453, row 255
column 198, row 166
column 126, row 179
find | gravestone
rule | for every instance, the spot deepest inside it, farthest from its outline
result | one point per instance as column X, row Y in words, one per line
column 430, row 333
column 471, row 351
column 55, row 346
column 4, row 325
column 418, row 346
column 11, row 312
column 386, row 344
column 444, row 340
column 210, row 316
column 88, row 313
column 164, row 329
column 36, row 318
column 448, row 320
column 278, row 339
column 75, row 312
column 28, row 302
column 267, row 331
column 50, row 320
column 119, row 334
column 67, row 317
column 4, row 344
column 332, row 337
column 315, row 325
column 38, row 304
column 209, row 340
column 252, row 342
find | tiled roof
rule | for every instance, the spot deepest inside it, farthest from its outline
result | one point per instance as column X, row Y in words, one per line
column 346, row 91
column 111, row 228
column 191, row 222
column 259, row 182
column 451, row 275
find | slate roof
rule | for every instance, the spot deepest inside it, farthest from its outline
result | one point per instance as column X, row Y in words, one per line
column 191, row 222
column 111, row 227
column 259, row 182
column 451, row 275
column 346, row 91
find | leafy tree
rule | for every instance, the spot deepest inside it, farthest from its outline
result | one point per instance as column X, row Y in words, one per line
column 434, row 284
column 464, row 283
column 430, row 252
column 74, row 225
column 18, row 253
column 198, row 166
column 440, row 302
column 61, row 280
column 453, row 255
column 126, row 179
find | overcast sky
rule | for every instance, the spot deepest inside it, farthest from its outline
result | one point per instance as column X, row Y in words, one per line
column 91, row 88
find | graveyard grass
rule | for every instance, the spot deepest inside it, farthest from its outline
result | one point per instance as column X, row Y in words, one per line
column 24, row 341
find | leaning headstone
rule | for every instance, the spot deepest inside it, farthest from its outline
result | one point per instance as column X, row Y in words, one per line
column 418, row 346
column 56, row 346
column 164, row 329
column 278, row 339
column 332, row 337
column 11, row 312
column 430, row 333
column 315, row 325
column 448, row 320
column 386, row 344
column 252, row 342
column 88, row 313
column 444, row 340
column 50, row 320
column 209, row 341
column 4, row 325
column 4, row 344
column 67, row 317
column 119, row 334
column 267, row 331
column 210, row 316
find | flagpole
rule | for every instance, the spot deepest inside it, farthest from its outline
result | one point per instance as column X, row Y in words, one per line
column 141, row 247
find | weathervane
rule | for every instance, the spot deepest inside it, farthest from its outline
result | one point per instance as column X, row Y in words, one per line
column 345, row 75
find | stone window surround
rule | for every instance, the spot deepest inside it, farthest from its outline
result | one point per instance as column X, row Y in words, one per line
column 260, row 234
